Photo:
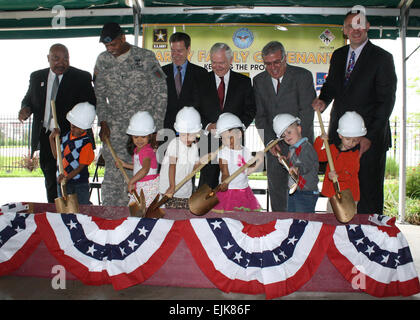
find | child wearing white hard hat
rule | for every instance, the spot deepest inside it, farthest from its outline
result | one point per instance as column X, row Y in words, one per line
column 237, row 195
column 303, row 162
column 141, row 145
column 181, row 158
column 77, row 151
column 351, row 128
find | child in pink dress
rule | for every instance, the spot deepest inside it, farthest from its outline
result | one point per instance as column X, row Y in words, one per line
column 237, row 195
column 141, row 144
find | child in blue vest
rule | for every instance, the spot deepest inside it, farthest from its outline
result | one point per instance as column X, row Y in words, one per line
column 77, row 151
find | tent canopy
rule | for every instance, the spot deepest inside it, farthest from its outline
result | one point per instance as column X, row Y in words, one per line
column 75, row 18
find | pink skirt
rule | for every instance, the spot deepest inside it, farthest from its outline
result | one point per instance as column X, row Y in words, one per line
column 237, row 200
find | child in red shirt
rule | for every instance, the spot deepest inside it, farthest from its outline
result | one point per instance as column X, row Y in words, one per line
column 345, row 157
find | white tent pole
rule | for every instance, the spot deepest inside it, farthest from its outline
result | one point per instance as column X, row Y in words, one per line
column 403, row 119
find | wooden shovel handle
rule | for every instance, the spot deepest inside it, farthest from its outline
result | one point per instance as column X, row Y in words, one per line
column 210, row 157
column 58, row 149
column 326, row 144
column 249, row 163
column 117, row 160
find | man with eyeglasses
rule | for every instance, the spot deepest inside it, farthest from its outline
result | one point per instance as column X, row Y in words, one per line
column 183, row 78
column 281, row 88
column 362, row 78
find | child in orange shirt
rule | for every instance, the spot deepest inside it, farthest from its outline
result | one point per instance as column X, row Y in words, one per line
column 77, row 151
column 351, row 128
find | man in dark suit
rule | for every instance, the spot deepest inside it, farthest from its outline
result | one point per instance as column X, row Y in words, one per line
column 281, row 88
column 67, row 86
column 183, row 78
column 362, row 78
column 228, row 91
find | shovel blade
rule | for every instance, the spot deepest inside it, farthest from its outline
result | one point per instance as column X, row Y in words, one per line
column 154, row 210
column 68, row 205
column 343, row 206
column 200, row 202
column 137, row 208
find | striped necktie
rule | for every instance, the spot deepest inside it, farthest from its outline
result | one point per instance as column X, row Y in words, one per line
column 54, row 90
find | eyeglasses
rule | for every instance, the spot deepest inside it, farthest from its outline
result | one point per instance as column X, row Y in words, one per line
column 276, row 63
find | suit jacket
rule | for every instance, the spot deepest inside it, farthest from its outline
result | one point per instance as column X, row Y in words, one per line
column 195, row 78
column 295, row 97
column 75, row 87
column 239, row 100
column 370, row 92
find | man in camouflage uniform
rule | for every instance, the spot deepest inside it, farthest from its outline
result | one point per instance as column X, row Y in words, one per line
column 128, row 79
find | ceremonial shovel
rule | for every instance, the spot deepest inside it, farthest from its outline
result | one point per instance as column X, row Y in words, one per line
column 342, row 202
column 137, row 208
column 68, row 203
column 154, row 210
column 204, row 199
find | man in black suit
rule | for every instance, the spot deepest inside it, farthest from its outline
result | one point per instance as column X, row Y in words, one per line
column 67, row 86
column 362, row 78
column 183, row 78
column 228, row 91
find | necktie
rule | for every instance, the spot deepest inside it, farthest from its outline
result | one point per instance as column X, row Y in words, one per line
column 278, row 86
column 178, row 80
column 221, row 92
column 350, row 67
column 54, row 90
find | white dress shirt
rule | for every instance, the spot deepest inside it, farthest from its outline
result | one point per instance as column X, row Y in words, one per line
column 51, row 77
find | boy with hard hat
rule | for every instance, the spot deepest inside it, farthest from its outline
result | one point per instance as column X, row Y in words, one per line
column 351, row 128
column 181, row 158
column 77, row 151
column 302, row 161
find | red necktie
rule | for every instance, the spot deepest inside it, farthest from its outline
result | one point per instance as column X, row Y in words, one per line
column 178, row 81
column 278, row 86
column 221, row 92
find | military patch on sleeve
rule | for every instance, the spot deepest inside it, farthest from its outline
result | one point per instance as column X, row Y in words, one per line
column 158, row 72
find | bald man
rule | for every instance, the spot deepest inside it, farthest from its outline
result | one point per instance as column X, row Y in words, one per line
column 67, row 86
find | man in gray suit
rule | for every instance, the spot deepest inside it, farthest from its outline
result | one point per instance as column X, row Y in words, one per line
column 281, row 88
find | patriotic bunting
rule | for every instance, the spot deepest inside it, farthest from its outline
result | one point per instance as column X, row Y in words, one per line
column 375, row 259
column 274, row 259
column 123, row 252
column 276, row 263
column 18, row 240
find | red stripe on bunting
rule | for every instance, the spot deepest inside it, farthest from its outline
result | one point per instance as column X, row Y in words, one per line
column 271, row 291
column 70, row 264
column 373, row 287
column 155, row 262
column 21, row 255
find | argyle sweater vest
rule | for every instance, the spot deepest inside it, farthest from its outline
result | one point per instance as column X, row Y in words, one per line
column 70, row 150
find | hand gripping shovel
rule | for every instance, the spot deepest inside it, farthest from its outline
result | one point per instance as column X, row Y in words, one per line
column 154, row 210
column 68, row 203
column 137, row 208
column 204, row 199
column 342, row 202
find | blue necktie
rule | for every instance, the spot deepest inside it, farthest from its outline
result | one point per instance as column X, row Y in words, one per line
column 350, row 67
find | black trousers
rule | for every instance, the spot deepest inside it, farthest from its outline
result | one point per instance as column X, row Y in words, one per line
column 48, row 165
column 371, row 181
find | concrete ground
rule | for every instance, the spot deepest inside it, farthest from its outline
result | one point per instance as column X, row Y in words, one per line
column 27, row 288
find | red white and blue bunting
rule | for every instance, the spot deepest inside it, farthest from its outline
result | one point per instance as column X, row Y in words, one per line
column 18, row 240
column 276, row 258
column 123, row 252
column 375, row 259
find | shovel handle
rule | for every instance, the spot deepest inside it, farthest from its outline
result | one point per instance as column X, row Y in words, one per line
column 249, row 163
column 58, row 149
column 117, row 160
column 327, row 146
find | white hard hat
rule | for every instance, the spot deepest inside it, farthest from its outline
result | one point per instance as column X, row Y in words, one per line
column 141, row 124
column 351, row 124
column 188, row 120
column 282, row 121
column 227, row 121
column 82, row 115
